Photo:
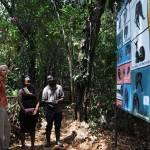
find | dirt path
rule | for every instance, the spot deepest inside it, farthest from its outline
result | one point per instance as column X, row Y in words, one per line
column 74, row 135
column 77, row 136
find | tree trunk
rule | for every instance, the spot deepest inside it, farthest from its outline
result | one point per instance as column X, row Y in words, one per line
column 79, row 91
column 25, row 30
column 88, row 50
column 32, row 59
column 71, row 75
column 69, row 54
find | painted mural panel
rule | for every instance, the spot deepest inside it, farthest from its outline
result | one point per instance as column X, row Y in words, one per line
column 141, row 92
column 124, row 98
column 141, row 50
column 123, row 18
column 139, row 19
column 149, row 13
column 120, row 40
column 127, row 97
column 126, row 33
column 124, row 74
column 119, row 91
column 126, row 14
column 126, row 24
column 124, row 54
column 133, row 58
column 123, row 26
column 119, row 96
column 119, row 25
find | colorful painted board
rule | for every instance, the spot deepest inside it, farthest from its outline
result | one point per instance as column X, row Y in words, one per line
column 133, row 58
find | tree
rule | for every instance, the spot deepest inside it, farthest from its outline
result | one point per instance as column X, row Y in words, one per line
column 87, row 54
column 47, row 41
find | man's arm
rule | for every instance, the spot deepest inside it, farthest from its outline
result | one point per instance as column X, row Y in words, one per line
column 44, row 95
column 61, row 95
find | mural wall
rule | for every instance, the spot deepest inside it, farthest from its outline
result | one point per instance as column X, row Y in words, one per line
column 133, row 58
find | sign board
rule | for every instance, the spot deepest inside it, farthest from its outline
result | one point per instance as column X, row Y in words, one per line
column 133, row 58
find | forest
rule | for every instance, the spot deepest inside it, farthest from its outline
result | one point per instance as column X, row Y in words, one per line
column 75, row 41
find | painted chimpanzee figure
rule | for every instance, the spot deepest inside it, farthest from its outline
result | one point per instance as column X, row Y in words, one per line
column 119, row 74
column 138, row 13
column 138, row 80
column 125, row 32
column 126, row 98
column 139, row 55
column 142, row 53
column 128, row 50
column 136, row 103
column 125, row 16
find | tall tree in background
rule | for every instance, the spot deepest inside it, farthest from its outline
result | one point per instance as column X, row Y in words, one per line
column 48, row 41
column 38, row 45
column 26, row 33
column 86, row 57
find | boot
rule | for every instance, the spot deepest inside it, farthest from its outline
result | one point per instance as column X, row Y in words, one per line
column 58, row 142
column 47, row 139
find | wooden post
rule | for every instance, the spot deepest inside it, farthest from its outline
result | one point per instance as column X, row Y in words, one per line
column 116, row 127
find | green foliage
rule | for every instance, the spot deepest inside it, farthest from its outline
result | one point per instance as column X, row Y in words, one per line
column 44, row 30
column 39, row 20
column 104, row 81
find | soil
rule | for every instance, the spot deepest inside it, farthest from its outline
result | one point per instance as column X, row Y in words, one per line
column 78, row 136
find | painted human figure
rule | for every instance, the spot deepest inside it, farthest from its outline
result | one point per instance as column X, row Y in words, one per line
column 139, row 80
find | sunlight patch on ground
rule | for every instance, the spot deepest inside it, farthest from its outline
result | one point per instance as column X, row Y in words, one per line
column 74, row 135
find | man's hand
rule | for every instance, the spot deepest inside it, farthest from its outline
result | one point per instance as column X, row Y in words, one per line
column 55, row 102
column 34, row 112
column 59, row 100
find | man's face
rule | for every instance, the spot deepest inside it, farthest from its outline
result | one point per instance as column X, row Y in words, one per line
column 3, row 72
column 52, row 83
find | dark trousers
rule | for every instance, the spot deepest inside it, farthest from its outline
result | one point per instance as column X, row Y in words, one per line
column 53, row 117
